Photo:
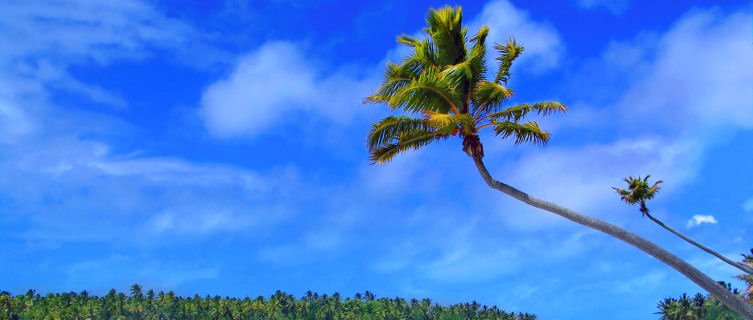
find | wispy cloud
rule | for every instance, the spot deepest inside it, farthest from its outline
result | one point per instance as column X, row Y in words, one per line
column 120, row 271
column 671, row 96
column 748, row 205
column 614, row 6
column 88, row 31
column 60, row 171
column 543, row 44
column 277, row 82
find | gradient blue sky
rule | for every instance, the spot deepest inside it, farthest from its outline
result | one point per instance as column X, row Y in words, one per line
column 219, row 148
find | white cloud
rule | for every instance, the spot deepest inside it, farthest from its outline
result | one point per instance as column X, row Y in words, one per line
column 43, row 39
column 263, row 88
column 65, row 186
column 85, row 30
column 698, row 219
column 274, row 83
column 543, row 45
column 614, row 6
column 699, row 79
column 45, row 156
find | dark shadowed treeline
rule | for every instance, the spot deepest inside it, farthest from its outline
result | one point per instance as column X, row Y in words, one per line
column 137, row 305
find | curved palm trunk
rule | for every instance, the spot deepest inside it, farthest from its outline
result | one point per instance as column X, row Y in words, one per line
column 702, row 247
column 668, row 258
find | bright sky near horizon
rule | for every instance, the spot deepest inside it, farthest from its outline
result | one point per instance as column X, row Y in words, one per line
column 218, row 147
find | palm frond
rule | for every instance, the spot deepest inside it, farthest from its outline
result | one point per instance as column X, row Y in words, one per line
column 459, row 75
column 389, row 129
column 526, row 132
column 422, row 57
column 445, row 27
column 430, row 91
column 444, row 121
column 395, row 78
column 477, row 56
column 518, row 112
column 507, row 54
column 466, row 74
column 489, row 96
column 406, row 141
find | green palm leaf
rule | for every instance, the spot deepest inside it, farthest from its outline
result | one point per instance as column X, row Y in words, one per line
column 395, row 78
column 422, row 57
column 464, row 75
column 527, row 132
column 407, row 141
column 445, row 27
column 384, row 132
column 507, row 54
column 444, row 121
column 518, row 112
column 430, row 91
column 490, row 95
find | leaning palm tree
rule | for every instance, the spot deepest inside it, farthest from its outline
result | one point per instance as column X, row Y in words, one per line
column 443, row 92
column 639, row 191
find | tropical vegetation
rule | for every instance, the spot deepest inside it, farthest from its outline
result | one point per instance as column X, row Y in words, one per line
column 151, row 305
column 441, row 91
column 695, row 308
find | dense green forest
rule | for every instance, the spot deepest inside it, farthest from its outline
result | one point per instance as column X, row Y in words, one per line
column 137, row 305
column 707, row 307
column 696, row 307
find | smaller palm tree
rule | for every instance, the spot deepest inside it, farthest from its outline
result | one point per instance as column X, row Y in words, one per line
column 638, row 192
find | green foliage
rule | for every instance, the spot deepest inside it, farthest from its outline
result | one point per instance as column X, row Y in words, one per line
column 706, row 307
column 638, row 191
column 747, row 278
column 695, row 308
column 441, row 86
column 278, row 306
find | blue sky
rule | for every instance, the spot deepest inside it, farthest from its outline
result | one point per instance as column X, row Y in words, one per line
column 219, row 148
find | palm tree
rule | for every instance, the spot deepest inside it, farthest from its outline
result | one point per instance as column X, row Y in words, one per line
column 442, row 88
column 747, row 278
column 137, row 291
column 638, row 192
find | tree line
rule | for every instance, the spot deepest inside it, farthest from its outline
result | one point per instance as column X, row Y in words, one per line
column 706, row 306
column 695, row 308
column 280, row 305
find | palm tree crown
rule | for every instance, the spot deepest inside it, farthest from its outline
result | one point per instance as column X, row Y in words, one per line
column 442, row 86
column 638, row 191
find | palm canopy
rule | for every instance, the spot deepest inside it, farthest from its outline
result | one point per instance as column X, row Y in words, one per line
column 638, row 191
column 442, row 87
